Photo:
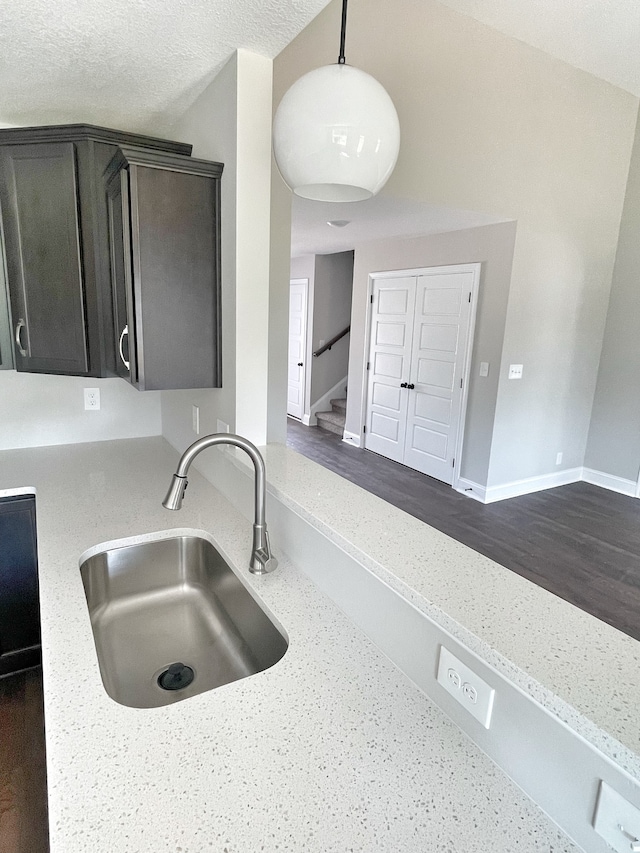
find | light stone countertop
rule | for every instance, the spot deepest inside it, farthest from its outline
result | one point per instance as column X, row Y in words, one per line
column 331, row 750
column 582, row 670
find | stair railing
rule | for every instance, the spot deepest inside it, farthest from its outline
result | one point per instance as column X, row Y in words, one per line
column 333, row 341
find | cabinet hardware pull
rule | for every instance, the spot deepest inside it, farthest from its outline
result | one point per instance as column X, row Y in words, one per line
column 403, row 385
column 299, row 364
column 19, row 326
column 124, row 332
column 411, row 386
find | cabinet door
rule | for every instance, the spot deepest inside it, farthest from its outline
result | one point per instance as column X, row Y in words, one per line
column 121, row 287
column 174, row 247
column 38, row 193
column 19, row 611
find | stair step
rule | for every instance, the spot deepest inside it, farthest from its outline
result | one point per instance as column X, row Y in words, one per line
column 339, row 405
column 331, row 421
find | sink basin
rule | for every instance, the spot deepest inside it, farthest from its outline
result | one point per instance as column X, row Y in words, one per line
column 171, row 619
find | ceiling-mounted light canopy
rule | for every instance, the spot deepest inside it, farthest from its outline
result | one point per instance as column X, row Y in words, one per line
column 336, row 133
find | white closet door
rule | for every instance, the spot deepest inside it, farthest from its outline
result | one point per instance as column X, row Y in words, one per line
column 440, row 331
column 389, row 365
column 297, row 347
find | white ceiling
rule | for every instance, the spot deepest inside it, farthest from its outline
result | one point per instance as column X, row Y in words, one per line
column 374, row 219
column 134, row 65
column 598, row 36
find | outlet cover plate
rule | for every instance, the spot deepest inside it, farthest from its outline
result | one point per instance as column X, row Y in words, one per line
column 91, row 399
column 616, row 819
column 515, row 371
column 471, row 691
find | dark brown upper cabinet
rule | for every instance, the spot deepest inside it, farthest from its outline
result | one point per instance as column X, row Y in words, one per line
column 164, row 224
column 56, row 238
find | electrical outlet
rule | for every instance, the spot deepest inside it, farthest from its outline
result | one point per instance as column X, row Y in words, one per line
column 195, row 419
column 484, row 368
column 559, row 458
column 471, row 691
column 515, row 371
column 91, row 399
column 617, row 820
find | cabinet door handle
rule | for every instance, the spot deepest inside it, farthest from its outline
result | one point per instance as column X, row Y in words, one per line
column 299, row 364
column 411, row 386
column 19, row 326
column 124, row 332
column 404, row 385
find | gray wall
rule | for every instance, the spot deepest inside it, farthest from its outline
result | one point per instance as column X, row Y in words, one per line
column 331, row 314
column 492, row 245
column 614, row 436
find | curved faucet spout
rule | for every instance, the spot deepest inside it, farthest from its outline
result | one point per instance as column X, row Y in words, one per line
column 261, row 559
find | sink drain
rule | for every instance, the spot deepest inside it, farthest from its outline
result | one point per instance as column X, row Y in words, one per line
column 176, row 677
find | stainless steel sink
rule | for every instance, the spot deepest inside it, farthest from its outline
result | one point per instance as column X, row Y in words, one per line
column 165, row 602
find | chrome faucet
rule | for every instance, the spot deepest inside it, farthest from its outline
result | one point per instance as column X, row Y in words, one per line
column 261, row 559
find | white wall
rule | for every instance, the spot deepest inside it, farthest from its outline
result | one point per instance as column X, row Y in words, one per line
column 40, row 409
column 331, row 314
column 614, row 435
column 231, row 122
column 492, row 125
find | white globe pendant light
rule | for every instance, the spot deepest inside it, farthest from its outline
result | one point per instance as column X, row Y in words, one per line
column 336, row 133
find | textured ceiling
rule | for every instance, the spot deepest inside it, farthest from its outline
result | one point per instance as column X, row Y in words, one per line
column 135, row 64
column 598, row 36
column 139, row 64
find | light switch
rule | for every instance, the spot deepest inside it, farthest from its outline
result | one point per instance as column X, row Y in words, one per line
column 617, row 820
column 484, row 368
column 515, row 371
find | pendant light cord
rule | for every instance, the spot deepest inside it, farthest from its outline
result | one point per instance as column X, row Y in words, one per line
column 343, row 33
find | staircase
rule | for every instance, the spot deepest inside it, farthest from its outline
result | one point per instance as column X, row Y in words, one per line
column 333, row 421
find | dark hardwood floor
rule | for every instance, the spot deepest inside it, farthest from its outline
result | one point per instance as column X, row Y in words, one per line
column 23, row 784
column 578, row 541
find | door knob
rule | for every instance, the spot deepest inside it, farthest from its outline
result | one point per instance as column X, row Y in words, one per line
column 411, row 386
column 403, row 385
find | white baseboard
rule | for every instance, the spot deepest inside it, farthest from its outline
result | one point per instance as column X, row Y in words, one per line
column 471, row 489
column 352, row 439
column 306, row 420
column 490, row 494
column 533, row 484
column 324, row 403
column 609, row 481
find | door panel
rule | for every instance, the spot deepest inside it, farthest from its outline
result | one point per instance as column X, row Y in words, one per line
column 389, row 365
column 297, row 347
column 441, row 325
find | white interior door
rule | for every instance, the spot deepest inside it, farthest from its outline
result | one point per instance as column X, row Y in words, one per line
column 420, row 332
column 440, row 330
column 297, row 346
column 389, row 365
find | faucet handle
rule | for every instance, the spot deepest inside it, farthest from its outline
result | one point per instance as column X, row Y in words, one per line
column 262, row 562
